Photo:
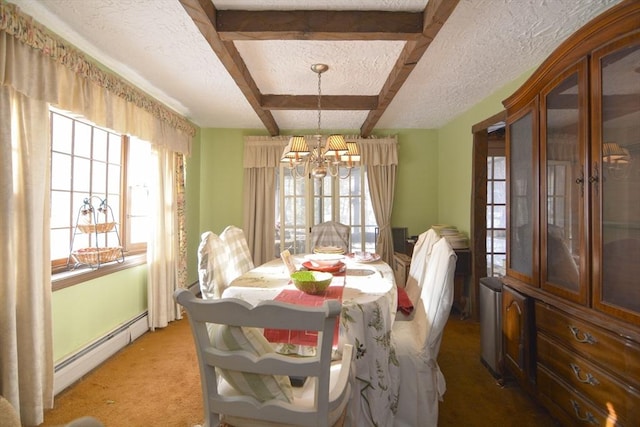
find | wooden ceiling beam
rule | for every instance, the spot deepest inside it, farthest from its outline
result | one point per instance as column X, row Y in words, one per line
column 221, row 28
column 435, row 15
column 203, row 14
column 310, row 102
column 318, row 25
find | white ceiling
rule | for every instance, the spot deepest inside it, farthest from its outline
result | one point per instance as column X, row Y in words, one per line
column 157, row 47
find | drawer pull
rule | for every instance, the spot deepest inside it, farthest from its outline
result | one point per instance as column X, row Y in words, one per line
column 586, row 338
column 589, row 379
column 588, row 417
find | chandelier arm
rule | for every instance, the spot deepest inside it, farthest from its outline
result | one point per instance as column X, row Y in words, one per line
column 348, row 173
column 333, row 169
column 299, row 175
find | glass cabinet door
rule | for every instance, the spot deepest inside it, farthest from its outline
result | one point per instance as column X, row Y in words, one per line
column 523, row 196
column 616, row 166
column 563, row 154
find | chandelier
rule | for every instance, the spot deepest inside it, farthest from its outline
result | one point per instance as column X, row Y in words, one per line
column 327, row 155
column 616, row 159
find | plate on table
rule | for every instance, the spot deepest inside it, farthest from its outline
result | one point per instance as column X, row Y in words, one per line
column 364, row 257
column 328, row 250
column 327, row 269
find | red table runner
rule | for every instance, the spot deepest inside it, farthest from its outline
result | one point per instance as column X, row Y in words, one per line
column 298, row 337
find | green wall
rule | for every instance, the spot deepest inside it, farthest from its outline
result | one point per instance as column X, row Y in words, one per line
column 85, row 312
column 415, row 204
column 455, row 142
column 221, row 179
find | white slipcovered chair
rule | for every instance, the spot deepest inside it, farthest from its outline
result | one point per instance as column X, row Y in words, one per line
column 240, row 260
column 418, row 268
column 331, row 233
column 213, row 262
column 245, row 383
column 417, row 342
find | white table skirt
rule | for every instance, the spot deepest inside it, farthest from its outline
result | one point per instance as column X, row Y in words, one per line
column 369, row 304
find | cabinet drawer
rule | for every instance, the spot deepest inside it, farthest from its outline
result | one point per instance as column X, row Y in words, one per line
column 574, row 409
column 600, row 387
column 614, row 352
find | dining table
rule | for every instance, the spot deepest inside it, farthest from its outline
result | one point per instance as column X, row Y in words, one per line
column 369, row 299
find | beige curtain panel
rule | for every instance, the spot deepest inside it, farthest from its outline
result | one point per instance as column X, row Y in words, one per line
column 261, row 160
column 38, row 70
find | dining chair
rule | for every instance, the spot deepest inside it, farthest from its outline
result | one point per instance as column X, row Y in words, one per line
column 240, row 260
column 422, row 384
column 245, row 383
column 331, row 233
column 418, row 267
column 213, row 262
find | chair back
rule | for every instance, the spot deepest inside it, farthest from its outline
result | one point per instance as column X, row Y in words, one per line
column 419, row 261
column 213, row 261
column 240, row 260
column 437, row 292
column 219, row 328
column 331, row 233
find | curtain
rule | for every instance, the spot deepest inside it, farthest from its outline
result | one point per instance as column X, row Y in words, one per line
column 380, row 156
column 163, row 243
column 261, row 160
column 26, row 348
column 37, row 70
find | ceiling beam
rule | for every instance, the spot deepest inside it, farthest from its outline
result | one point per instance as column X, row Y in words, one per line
column 203, row 14
column 318, row 25
column 435, row 15
column 221, row 28
column 310, row 102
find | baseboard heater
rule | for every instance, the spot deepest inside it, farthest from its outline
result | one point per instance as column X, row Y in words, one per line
column 79, row 364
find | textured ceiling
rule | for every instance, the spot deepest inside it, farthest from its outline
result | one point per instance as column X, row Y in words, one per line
column 157, row 46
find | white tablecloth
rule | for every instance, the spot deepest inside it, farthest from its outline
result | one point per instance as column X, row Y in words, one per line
column 369, row 303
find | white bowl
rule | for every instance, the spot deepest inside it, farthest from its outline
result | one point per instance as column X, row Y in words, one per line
column 324, row 260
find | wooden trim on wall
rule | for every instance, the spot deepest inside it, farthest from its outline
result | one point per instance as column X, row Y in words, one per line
column 478, row 231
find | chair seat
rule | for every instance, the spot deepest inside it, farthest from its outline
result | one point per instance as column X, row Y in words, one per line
column 303, row 399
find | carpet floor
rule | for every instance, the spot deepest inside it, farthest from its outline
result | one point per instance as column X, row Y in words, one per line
column 155, row 382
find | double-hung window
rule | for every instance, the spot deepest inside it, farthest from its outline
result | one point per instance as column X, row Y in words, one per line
column 304, row 202
column 107, row 170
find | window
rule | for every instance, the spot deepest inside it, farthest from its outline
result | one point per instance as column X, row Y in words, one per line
column 301, row 203
column 90, row 163
column 496, row 215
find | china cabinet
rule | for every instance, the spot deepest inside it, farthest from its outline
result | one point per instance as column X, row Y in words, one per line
column 573, row 250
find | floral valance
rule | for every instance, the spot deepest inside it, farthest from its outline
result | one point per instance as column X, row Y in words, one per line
column 73, row 72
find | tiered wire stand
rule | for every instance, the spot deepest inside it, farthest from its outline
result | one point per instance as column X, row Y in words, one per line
column 96, row 223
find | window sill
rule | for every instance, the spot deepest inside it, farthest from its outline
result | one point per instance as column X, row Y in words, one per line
column 73, row 277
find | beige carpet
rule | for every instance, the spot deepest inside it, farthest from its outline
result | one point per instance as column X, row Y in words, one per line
column 155, row 382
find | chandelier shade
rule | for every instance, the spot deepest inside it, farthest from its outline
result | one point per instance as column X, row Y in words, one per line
column 297, row 148
column 327, row 155
column 612, row 152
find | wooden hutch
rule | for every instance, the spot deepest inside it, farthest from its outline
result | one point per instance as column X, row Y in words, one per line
column 571, row 295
